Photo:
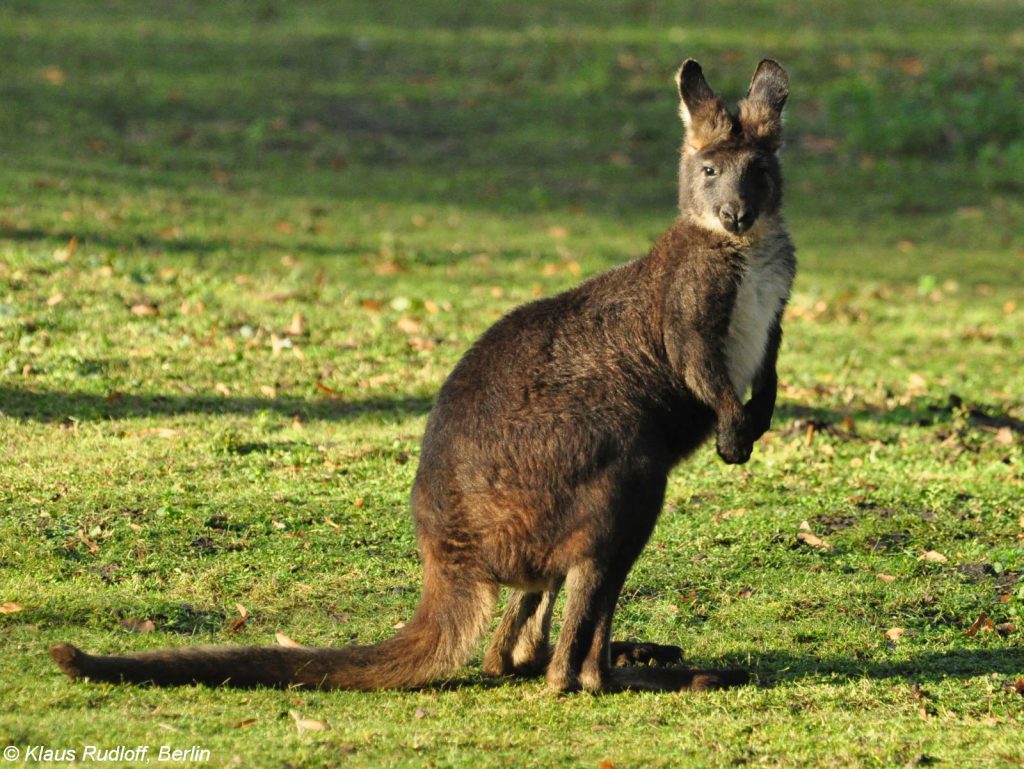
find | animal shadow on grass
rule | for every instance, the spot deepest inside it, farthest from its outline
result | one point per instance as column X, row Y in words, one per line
column 922, row 412
column 777, row 667
column 57, row 406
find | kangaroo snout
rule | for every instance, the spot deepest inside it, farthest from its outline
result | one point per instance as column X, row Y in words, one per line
column 735, row 217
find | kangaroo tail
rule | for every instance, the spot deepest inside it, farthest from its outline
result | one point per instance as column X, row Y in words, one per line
column 437, row 640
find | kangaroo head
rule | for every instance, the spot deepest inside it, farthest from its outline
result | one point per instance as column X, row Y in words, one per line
column 729, row 175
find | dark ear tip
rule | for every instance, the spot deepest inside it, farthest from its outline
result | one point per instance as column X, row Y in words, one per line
column 690, row 67
column 690, row 76
column 773, row 68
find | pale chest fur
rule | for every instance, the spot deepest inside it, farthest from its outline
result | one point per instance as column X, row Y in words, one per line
column 763, row 291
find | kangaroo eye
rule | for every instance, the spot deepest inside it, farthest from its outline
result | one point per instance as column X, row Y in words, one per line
column 709, row 171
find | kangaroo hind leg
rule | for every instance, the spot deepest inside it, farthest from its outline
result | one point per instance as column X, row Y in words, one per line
column 520, row 645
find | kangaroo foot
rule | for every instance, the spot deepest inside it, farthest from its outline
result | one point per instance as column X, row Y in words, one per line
column 674, row 679
column 625, row 653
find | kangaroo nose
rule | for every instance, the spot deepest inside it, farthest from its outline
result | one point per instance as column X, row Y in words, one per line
column 734, row 217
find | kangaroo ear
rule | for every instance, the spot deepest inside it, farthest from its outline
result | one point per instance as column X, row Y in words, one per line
column 704, row 115
column 761, row 111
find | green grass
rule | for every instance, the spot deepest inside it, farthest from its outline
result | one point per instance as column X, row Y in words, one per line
column 400, row 176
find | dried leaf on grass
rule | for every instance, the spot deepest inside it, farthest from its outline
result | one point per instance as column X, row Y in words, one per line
column 138, row 625
column 307, row 724
column 144, row 309
column 327, row 390
column 894, row 634
column 933, row 556
column 238, row 622
column 283, row 640
column 10, row 607
column 813, row 541
column 886, row 577
column 982, row 623
column 159, row 432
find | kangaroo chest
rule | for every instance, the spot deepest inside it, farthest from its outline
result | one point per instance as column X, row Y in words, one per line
column 762, row 292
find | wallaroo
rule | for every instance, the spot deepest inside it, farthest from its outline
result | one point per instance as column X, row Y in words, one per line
column 546, row 455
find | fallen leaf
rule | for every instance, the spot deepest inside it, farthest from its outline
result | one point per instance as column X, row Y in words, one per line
column 886, row 577
column 295, row 327
column 93, row 547
column 606, row 764
column 331, row 523
column 145, row 309
column 242, row 611
column 283, row 640
column 307, row 724
column 269, row 390
column 58, row 298
column 409, row 326
column 327, row 390
column 420, row 713
column 1017, row 686
column 809, row 435
column 911, row 66
column 284, row 226
column 243, row 724
column 557, row 231
column 53, row 75
column 136, row 625
column 1004, row 435
column 222, row 388
column 917, row 382
column 894, row 634
column 1006, row 628
column 933, row 556
column 813, row 541
column 10, row 607
column 159, row 432
column 804, row 526
column 980, row 624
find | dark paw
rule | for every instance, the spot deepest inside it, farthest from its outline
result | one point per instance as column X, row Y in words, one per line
column 625, row 653
column 733, row 449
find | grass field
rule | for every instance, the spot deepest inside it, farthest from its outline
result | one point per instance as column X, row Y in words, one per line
column 241, row 245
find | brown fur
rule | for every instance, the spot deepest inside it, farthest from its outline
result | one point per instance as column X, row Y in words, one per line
column 547, row 453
